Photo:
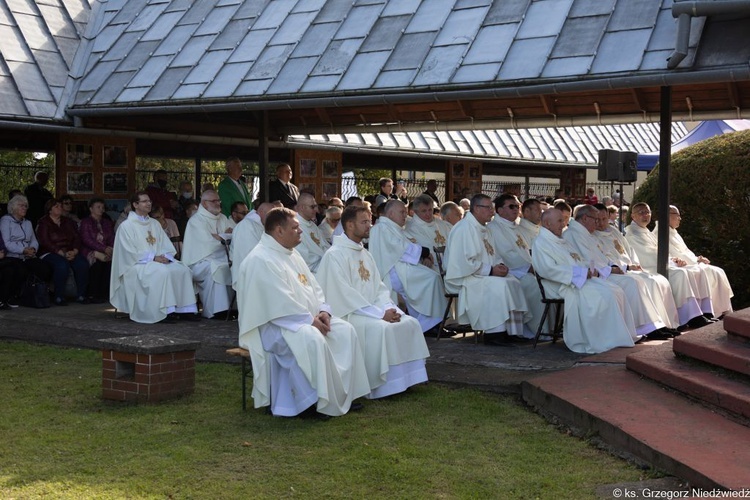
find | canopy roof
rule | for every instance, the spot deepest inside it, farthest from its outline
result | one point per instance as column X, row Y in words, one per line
column 364, row 65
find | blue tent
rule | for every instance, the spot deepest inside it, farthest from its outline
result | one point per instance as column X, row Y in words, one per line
column 647, row 161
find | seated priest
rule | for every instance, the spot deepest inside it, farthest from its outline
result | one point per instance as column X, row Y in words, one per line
column 425, row 228
column 406, row 267
column 246, row 235
column 597, row 315
column 314, row 243
column 204, row 252
column 302, row 356
column 147, row 282
column 393, row 344
column 490, row 298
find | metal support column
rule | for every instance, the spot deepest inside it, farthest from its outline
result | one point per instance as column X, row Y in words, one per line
column 665, row 152
column 197, row 184
column 263, row 156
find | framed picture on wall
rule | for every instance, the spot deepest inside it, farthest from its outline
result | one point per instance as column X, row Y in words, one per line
column 458, row 170
column 79, row 155
column 474, row 172
column 307, row 187
column 308, row 168
column 330, row 168
column 330, row 190
column 115, row 182
column 115, row 156
column 80, row 182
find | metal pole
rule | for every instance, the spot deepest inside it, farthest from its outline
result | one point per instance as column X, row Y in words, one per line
column 198, row 185
column 665, row 152
column 263, row 156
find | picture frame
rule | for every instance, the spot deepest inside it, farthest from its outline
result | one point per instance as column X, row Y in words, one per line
column 457, row 170
column 307, row 187
column 114, row 156
column 79, row 155
column 330, row 190
column 80, row 182
column 308, row 167
column 330, row 169
column 115, row 182
column 474, row 172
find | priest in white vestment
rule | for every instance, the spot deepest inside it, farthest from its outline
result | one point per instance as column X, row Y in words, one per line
column 406, row 267
column 597, row 315
column 580, row 235
column 426, row 230
column 531, row 219
column 686, row 291
column 331, row 221
column 514, row 250
column 617, row 249
column 314, row 244
column 147, row 282
column 393, row 344
column 489, row 297
column 721, row 290
column 245, row 236
column 204, row 252
column 302, row 356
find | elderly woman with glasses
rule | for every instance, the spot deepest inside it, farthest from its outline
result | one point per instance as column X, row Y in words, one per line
column 67, row 205
column 20, row 241
column 60, row 245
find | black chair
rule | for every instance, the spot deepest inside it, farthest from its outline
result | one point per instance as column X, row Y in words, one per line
column 225, row 244
column 559, row 312
column 453, row 328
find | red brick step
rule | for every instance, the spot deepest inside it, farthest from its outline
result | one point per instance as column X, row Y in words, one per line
column 711, row 345
column 661, row 365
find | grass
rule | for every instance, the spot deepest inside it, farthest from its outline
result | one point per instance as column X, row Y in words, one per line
column 61, row 440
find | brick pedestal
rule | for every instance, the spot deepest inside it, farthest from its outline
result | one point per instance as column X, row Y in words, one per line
column 147, row 368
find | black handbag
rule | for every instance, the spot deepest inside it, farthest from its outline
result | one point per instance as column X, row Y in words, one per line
column 35, row 293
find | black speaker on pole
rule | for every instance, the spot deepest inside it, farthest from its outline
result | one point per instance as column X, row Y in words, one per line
column 608, row 164
column 617, row 166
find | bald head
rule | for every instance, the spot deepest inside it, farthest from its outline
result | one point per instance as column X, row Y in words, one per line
column 553, row 221
column 263, row 210
column 307, row 207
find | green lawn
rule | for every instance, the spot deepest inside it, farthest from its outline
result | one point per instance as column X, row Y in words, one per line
column 60, row 440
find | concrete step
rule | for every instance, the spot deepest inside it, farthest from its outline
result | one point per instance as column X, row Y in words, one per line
column 638, row 417
column 694, row 379
column 711, row 345
column 737, row 325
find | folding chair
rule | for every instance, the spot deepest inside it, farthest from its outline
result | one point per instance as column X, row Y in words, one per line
column 454, row 328
column 559, row 314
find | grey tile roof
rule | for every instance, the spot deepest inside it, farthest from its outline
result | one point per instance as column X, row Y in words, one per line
column 564, row 145
column 313, row 47
column 38, row 44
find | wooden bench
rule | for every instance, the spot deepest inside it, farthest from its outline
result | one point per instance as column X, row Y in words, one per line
column 247, row 370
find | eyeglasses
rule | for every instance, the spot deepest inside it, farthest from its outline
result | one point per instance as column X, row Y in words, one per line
column 513, row 206
column 241, row 213
column 484, row 206
column 67, row 203
column 213, row 201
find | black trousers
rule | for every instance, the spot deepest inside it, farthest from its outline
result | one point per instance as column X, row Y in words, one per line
column 99, row 274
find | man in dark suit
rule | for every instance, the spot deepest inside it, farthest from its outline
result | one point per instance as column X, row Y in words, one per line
column 282, row 189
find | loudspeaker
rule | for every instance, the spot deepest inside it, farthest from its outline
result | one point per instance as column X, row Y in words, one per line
column 628, row 166
column 617, row 166
column 608, row 164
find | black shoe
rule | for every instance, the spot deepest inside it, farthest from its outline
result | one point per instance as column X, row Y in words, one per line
column 4, row 306
column 169, row 320
column 356, row 407
column 659, row 335
column 190, row 317
column 312, row 414
column 432, row 332
column 61, row 302
column 698, row 322
column 516, row 339
column 671, row 331
column 83, row 300
column 710, row 317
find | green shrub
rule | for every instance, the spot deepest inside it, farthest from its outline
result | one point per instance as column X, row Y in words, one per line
column 710, row 184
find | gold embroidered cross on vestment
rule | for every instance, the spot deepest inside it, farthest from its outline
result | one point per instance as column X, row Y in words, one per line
column 576, row 257
column 619, row 248
column 488, row 247
column 150, row 239
column 315, row 238
column 364, row 274
column 302, row 279
column 439, row 239
column 520, row 243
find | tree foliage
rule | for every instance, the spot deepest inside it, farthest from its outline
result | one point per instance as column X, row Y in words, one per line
column 710, row 184
column 17, row 169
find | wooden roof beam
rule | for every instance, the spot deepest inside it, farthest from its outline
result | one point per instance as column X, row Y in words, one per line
column 639, row 100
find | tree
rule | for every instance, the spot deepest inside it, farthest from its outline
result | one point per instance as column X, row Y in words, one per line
column 17, row 169
column 710, row 184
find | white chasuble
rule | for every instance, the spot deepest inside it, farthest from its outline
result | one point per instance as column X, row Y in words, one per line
column 514, row 250
column 684, row 286
column 597, row 315
column 353, row 287
column 244, row 238
column 332, row 364
column 148, row 291
column 485, row 302
column 397, row 259
column 528, row 229
column 645, row 313
column 721, row 290
column 428, row 234
column 617, row 249
column 313, row 245
column 207, row 259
